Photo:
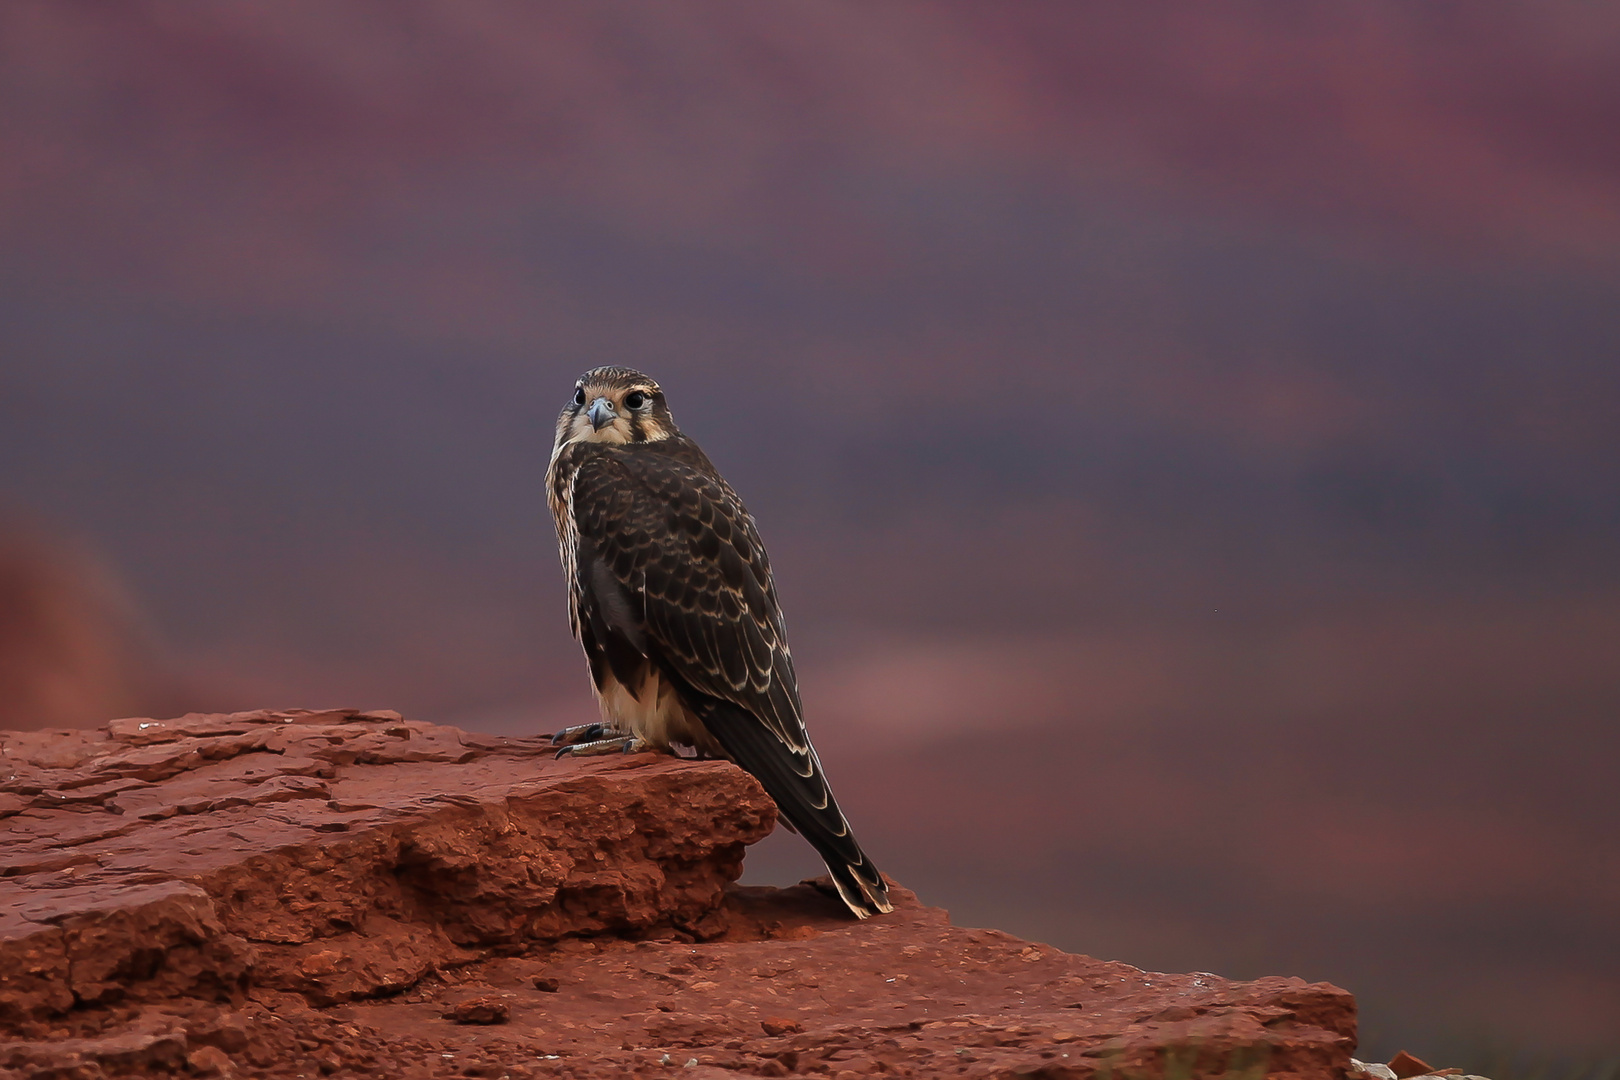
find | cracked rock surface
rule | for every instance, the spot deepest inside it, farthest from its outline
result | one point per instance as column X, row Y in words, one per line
column 298, row 893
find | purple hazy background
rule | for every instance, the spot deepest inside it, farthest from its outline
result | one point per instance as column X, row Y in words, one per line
column 1187, row 436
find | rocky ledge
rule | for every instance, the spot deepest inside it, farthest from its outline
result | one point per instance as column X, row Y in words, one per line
column 342, row 893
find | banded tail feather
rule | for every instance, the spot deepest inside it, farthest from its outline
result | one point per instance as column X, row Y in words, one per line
column 795, row 781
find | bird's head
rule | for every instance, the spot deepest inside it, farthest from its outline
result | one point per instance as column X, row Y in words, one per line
column 615, row 405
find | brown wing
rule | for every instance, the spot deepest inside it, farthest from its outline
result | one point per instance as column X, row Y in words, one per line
column 667, row 556
column 678, row 541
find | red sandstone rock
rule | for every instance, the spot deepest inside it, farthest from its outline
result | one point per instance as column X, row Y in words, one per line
column 209, row 1061
column 487, row 1009
column 340, row 893
column 780, row 1025
column 1405, row 1066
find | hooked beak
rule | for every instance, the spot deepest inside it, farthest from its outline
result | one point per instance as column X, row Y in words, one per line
column 601, row 413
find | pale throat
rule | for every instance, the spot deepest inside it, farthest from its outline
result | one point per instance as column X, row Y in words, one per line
column 616, row 433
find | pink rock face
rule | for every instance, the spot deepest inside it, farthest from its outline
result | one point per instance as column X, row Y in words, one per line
column 353, row 893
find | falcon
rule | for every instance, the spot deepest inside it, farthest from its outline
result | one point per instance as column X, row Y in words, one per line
column 670, row 594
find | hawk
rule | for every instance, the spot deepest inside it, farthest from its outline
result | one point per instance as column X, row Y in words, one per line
column 670, row 595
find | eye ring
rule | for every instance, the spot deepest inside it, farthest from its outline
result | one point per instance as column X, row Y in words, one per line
column 635, row 399
column 579, row 394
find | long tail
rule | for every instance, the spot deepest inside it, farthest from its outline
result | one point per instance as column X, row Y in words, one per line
column 802, row 796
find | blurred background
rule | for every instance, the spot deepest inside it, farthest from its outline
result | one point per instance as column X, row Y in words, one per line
column 1187, row 435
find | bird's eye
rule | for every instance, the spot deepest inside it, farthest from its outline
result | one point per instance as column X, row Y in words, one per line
column 579, row 395
column 635, row 399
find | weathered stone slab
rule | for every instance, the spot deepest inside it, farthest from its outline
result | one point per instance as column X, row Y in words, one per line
column 354, row 894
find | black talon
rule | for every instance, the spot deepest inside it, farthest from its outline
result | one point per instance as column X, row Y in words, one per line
column 584, row 733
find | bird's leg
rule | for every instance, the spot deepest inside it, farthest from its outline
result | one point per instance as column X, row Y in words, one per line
column 615, row 744
column 582, row 733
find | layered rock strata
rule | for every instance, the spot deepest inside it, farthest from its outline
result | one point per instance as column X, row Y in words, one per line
column 343, row 893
